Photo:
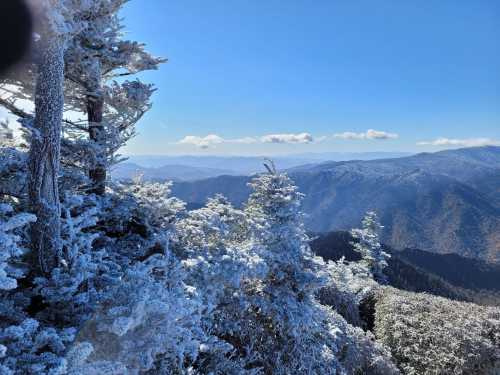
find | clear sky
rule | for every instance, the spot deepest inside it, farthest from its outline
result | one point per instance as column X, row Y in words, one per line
column 240, row 70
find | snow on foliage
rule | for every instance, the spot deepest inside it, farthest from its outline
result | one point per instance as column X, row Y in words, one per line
column 29, row 348
column 101, row 107
column 150, row 321
column 347, row 285
column 434, row 335
column 10, row 249
column 75, row 287
column 368, row 245
column 123, row 279
column 218, row 257
column 155, row 199
column 296, row 333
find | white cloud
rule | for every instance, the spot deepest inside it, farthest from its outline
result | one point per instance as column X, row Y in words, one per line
column 212, row 140
column 369, row 134
column 287, row 138
column 468, row 142
column 201, row 142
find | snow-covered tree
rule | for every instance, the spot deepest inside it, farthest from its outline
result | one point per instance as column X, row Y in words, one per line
column 136, row 220
column 101, row 107
column 296, row 333
column 26, row 347
column 273, row 210
column 368, row 245
column 97, row 59
column 44, row 155
column 347, row 285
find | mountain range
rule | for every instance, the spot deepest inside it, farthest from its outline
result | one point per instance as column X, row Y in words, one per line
column 233, row 165
column 171, row 172
column 443, row 202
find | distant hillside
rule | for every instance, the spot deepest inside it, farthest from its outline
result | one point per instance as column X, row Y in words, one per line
column 450, row 275
column 127, row 171
column 445, row 202
column 233, row 165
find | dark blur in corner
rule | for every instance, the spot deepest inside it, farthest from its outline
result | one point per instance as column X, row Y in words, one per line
column 15, row 32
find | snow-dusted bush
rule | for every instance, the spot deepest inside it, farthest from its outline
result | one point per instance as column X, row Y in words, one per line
column 434, row 335
column 351, row 285
column 136, row 220
column 26, row 345
column 10, row 249
column 218, row 256
column 347, row 285
column 75, row 287
column 155, row 200
column 30, row 348
column 151, row 321
column 210, row 243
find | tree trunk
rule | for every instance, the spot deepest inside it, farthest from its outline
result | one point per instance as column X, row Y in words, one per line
column 44, row 156
column 97, row 174
column 97, row 134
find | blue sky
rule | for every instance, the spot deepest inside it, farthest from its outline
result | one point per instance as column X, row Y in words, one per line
column 317, row 75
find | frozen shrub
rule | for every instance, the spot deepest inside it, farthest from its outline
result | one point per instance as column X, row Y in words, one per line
column 434, row 335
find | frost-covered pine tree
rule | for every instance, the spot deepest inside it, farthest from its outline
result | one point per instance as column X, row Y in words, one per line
column 97, row 59
column 273, row 208
column 85, row 273
column 369, row 246
column 296, row 333
column 101, row 106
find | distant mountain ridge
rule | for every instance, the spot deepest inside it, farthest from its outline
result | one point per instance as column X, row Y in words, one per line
column 247, row 165
column 444, row 202
column 128, row 171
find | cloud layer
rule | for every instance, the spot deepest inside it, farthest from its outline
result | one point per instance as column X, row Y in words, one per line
column 212, row 140
column 369, row 134
column 468, row 142
column 288, row 138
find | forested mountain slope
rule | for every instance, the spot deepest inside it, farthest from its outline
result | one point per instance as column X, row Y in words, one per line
column 445, row 202
column 446, row 275
column 433, row 335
